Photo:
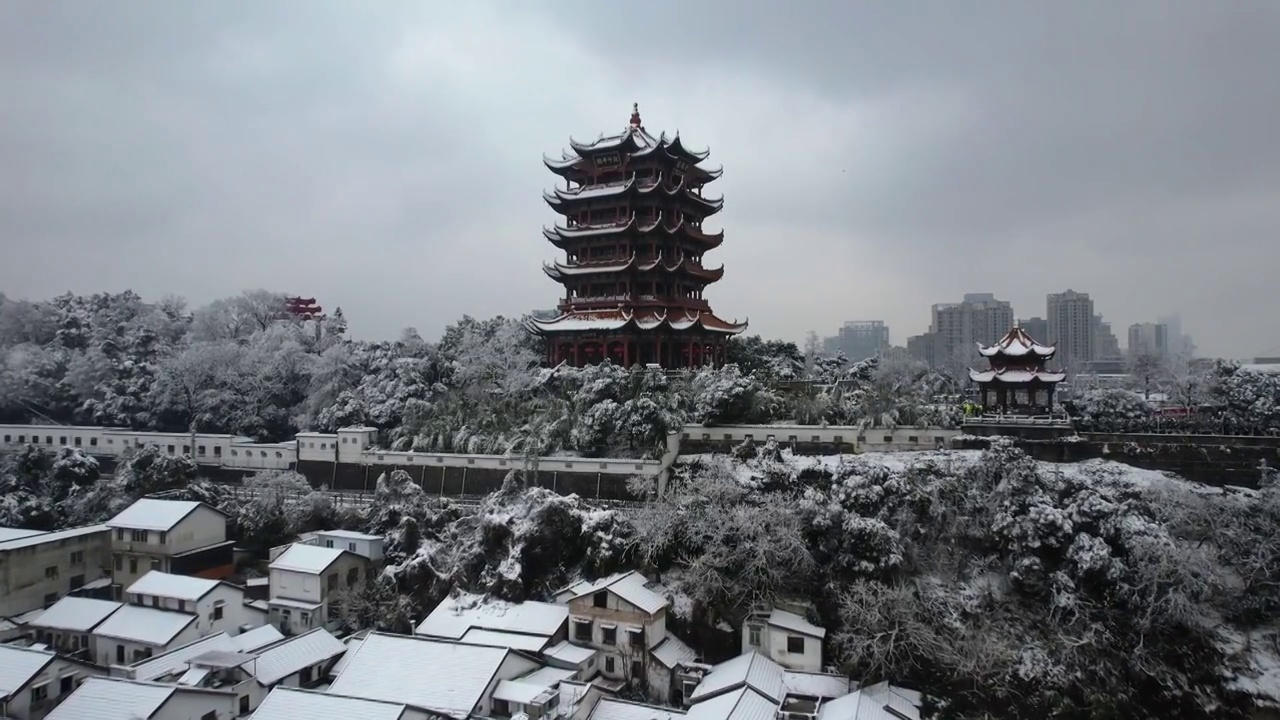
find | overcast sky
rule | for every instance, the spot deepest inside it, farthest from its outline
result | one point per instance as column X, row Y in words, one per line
column 879, row 156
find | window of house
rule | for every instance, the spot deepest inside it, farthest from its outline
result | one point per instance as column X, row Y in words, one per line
column 39, row 693
column 753, row 635
column 119, row 563
column 279, row 454
column 218, row 609
column 888, row 438
column 50, row 598
column 77, row 557
column 48, row 439
column 22, row 438
column 133, row 566
column 262, row 453
column 139, row 536
column 186, row 449
column 169, row 449
column 913, row 438
column 120, row 654
column 79, row 442
column 304, row 618
column 608, row 664
column 501, row 708
column 795, row 644
column 163, row 536
column 244, row 704
column 582, row 630
column 119, row 533
column 217, row 451
column 332, row 581
column 66, row 684
column 235, row 454
column 328, row 543
column 635, row 636
column 93, row 442
column 6, row 438
column 62, row 439
column 600, row 599
column 609, row 635
column 351, row 547
column 200, row 450
column 51, row 572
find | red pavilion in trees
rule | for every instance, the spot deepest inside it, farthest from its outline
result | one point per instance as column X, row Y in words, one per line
column 1017, row 381
column 305, row 308
column 633, row 239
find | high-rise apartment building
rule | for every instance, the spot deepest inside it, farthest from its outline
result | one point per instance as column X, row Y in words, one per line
column 862, row 339
column 1071, row 326
column 979, row 319
column 1106, row 346
column 1149, row 339
column 1036, row 327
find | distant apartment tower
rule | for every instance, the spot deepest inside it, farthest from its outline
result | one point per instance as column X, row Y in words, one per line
column 979, row 319
column 862, row 339
column 1071, row 328
column 1105, row 344
column 1148, row 339
column 1036, row 327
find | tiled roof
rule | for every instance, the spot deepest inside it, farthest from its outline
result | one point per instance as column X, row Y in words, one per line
column 629, row 586
column 154, row 514
column 457, row 614
column 11, row 533
column 18, row 665
column 390, row 667
column 570, row 653
column 256, row 638
column 76, row 614
column 290, row 656
column 55, row 536
column 304, row 558
column 881, row 701
column 347, row 534
column 613, row 709
column 791, row 621
column 672, row 651
column 751, row 670
column 741, row 704
column 145, row 625
column 497, row 638
column 284, row 703
column 176, row 660
column 181, row 587
column 108, row 699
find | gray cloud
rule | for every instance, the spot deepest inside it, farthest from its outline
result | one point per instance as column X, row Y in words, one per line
column 879, row 157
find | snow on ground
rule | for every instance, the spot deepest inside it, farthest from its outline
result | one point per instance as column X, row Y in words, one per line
column 1257, row 656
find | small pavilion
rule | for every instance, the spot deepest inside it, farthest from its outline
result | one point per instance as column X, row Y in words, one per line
column 1017, row 382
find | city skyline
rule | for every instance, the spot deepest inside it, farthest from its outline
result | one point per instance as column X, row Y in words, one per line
column 387, row 159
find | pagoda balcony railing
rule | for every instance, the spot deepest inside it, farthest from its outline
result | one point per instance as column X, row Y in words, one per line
column 612, row 301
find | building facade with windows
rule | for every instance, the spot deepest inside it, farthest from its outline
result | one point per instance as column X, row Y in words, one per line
column 35, row 681
column 785, row 637
column 305, row 583
column 38, row 568
column 180, row 537
column 1071, row 327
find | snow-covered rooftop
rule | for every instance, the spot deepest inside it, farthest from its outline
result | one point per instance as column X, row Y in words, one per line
column 459, row 615
column 49, row 537
column 630, row 586
column 76, row 614
column 179, row 587
column 527, row 688
column 347, row 535
column 570, row 653
column 1017, row 343
column 881, row 701
column 10, row 533
column 290, row 656
column 286, row 703
column 750, row 670
column 497, row 638
column 795, row 623
column 303, row 558
column 672, row 651
column 256, row 638
column 614, row 709
column 176, row 660
column 741, row 704
column 153, row 514
column 111, row 699
column 814, row 685
column 390, row 667
column 18, row 665
column 145, row 625
column 1016, row 376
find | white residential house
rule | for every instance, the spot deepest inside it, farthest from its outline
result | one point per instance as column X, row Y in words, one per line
column 305, row 583
column 218, row 606
column 293, row 704
column 69, row 624
column 480, row 620
column 362, row 544
column 33, row 682
column 37, row 568
column 461, row 682
column 181, row 537
column 134, row 632
column 784, row 636
column 624, row 619
column 218, row 662
column 114, row 699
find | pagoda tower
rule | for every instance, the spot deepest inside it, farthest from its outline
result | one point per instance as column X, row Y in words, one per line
column 633, row 241
column 1017, row 382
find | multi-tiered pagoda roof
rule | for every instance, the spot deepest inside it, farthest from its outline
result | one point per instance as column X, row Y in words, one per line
column 1017, row 380
column 633, row 208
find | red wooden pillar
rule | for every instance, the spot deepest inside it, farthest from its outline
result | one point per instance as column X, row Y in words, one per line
column 626, row 353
